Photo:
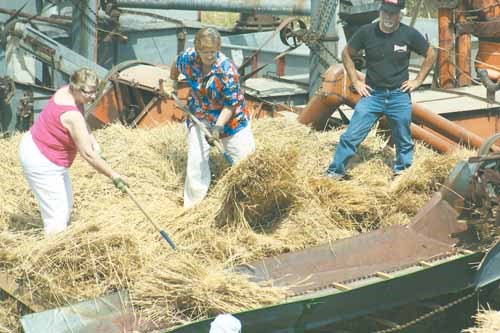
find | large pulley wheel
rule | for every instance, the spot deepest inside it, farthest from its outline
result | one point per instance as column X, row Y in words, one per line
column 118, row 68
column 291, row 35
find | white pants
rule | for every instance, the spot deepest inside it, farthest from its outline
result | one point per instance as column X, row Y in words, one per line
column 50, row 183
column 198, row 174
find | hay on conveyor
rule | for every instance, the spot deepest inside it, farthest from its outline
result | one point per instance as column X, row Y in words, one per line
column 488, row 321
column 274, row 202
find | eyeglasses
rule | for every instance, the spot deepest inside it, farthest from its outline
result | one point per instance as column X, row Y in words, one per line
column 89, row 93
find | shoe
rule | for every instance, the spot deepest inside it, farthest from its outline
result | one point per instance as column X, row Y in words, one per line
column 334, row 175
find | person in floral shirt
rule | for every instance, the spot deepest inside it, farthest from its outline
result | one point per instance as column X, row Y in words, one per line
column 217, row 99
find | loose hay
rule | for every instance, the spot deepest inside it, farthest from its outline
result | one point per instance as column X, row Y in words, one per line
column 259, row 190
column 190, row 288
column 488, row 321
column 9, row 318
column 274, row 202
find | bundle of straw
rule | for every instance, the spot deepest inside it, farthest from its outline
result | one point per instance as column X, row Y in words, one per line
column 259, row 190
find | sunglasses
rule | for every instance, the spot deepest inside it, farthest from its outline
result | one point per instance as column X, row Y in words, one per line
column 89, row 93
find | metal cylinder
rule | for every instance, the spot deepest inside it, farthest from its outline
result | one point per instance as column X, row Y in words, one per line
column 463, row 56
column 335, row 91
column 432, row 139
column 275, row 7
column 446, row 41
column 446, row 127
column 488, row 58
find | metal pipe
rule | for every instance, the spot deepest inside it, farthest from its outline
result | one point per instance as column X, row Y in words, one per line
column 491, row 87
column 432, row 139
column 335, row 91
column 446, row 41
column 463, row 56
column 446, row 127
column 488, row 58
column 274, row 7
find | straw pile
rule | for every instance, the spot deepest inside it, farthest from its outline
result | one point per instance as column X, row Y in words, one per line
column 488, row 321
column 274, row 202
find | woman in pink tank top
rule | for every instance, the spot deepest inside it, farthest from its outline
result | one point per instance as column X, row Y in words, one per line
column 49, row 149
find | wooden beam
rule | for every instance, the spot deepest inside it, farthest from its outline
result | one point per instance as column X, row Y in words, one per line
column 10, row 287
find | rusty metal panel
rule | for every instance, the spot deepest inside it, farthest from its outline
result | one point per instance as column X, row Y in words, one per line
column 433, row 234
column 162, row 112
column 145, row 76
column 105, row 111
column 109, row 314
column 483, row 122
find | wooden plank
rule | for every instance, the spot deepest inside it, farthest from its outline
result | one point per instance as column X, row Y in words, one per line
column 10, row 287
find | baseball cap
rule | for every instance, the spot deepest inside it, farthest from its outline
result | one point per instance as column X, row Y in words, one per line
column 392, row 6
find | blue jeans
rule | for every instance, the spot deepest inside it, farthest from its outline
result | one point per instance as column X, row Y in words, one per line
column 396, row 106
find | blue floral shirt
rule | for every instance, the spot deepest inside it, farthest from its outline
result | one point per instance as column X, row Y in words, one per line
column 212, row 92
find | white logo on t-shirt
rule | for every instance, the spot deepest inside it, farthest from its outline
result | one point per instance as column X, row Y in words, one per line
column 400, row 48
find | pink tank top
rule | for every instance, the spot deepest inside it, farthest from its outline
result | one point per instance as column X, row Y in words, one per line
column 50, row 136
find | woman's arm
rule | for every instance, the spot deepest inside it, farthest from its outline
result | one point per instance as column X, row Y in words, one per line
column 225, row 115
column 74, row 122
column 95, row 145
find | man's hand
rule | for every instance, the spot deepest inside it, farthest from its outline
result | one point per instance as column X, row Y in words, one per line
column 120, row 183
column 170, row 87
column 362, row 88
column 411, row 85
column 216, row 133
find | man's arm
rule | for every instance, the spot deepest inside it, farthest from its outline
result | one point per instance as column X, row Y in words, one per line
column 174, row 72
column 430, row 59
column 361, row 87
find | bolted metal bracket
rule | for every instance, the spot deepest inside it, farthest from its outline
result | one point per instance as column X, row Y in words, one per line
column 491, row 87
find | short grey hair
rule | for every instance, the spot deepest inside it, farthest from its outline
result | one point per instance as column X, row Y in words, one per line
column 207, row 33
column 83, row 79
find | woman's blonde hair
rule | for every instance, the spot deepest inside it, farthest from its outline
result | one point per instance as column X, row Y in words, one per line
column 208, row 33
column 83, row 79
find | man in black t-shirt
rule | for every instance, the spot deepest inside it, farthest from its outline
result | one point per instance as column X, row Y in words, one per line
column 386, row 91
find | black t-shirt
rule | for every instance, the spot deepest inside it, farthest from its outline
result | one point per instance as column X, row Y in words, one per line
column 388, row 54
